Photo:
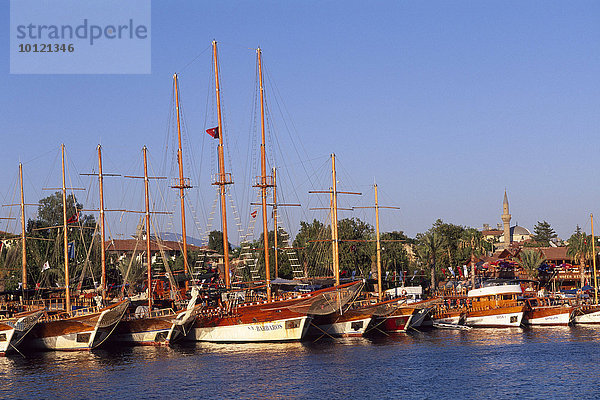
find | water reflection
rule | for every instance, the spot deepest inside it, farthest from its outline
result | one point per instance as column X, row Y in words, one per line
column 535, row 363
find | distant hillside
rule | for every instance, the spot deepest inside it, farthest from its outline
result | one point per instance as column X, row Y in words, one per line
column 176, row 237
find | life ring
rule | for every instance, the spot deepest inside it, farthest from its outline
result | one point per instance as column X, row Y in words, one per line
column 403, row 292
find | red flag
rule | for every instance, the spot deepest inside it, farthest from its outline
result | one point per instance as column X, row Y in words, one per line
column 74, row 218
column 253, row 213
column 214, row 132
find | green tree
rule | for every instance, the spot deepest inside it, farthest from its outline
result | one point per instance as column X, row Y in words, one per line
column 132, row 271
column 215, row 242
column 429, row 249
column 543, row 233
column 474, row 245
column 284, row 268
column 393, row 254
column 314, row 252
column 45, row 242
column 50, row 209
column 451, row 236
column 531, row 261
column 580, row 250
column 356, row 248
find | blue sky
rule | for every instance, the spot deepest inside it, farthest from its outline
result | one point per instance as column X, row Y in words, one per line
column 445, row 104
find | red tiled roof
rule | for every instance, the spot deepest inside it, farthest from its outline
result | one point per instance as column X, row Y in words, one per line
column 555, row 253
column 492, row 232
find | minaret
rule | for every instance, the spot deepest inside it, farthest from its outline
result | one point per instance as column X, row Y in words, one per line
column 506, row 221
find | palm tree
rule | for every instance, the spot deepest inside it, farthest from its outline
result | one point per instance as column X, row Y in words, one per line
column 428, row 250
column 132, row 271
column 531, row 261
column 473, row 242
column 580, row 249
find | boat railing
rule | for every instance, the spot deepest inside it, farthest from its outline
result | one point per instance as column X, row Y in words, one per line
column 162, row 312
column 50, row 304
column 75, row 313
column 84, row 311
column 143, row 313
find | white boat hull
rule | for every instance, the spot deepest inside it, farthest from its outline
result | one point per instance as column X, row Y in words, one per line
column 495, row 320
column 160, row 330
column 345, row 328
column 448, row 320
column 75, row 334
column 18, row 329
column 591, row 318
column 155, row 337
column 292, row 329
column 558, row 319
column 7, row 340
column 418, row 318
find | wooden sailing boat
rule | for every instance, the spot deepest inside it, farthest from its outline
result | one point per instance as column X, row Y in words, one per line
column 589, row 314
column 393, row 315
column 148, row 326
column 495, row 306
column 243, row 315
column 15, row 327
column 348, row 320
column 81, row 329
column 390, row 316
column 544, row 311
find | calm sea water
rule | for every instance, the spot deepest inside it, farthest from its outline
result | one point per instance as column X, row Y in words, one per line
column 478, row 364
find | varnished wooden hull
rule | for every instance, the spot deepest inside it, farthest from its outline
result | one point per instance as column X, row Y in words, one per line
column 84, row 332
column 262, row 322
column 548, row 316
column 503, row 317
column 274, row 321
column 225, row 330
column 143, row 332
column 152, row 331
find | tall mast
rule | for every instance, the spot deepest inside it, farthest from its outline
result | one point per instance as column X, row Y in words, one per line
column 378, row 236
column 222, row 178
column 182, row 184
column 333, row 254
column 263, row 176
column 275, row 221
column 379, row 287
column 148, row 254
column 102, row 233
column 65, row 240
column 334, row 226
column 23, row 244
column 594, row 258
